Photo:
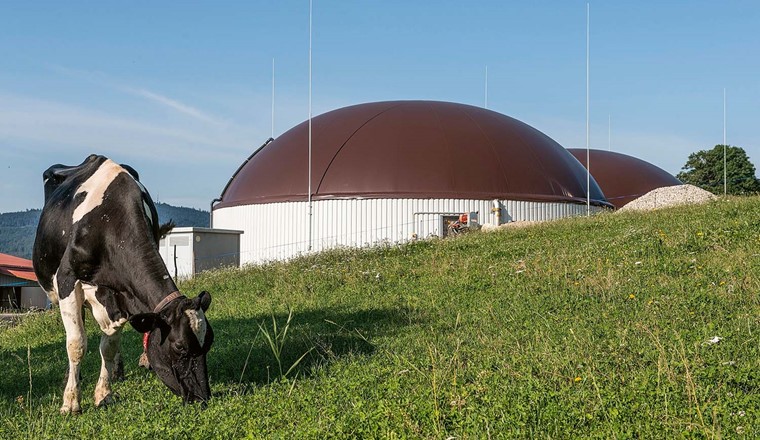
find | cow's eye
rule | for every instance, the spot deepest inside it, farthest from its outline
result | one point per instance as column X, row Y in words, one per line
column 179, row 347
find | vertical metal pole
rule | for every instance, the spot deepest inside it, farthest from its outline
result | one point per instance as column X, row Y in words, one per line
column 309, row 195
column 588, row 154
column 725, row 173
column 609, row 133
column 175, row 261
column 486, row 106
column 272, row 136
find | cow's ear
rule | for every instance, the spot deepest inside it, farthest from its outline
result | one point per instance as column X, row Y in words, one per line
column 145, row 322
column 202, row 301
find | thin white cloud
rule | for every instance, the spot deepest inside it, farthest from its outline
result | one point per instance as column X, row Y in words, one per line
column 48, row 126
column 180, row 159
column 157, row 98
column 175, row 105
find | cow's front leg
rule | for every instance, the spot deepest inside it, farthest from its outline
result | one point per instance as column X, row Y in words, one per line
column 72, row 316
column 109, row 348
column 118, row 373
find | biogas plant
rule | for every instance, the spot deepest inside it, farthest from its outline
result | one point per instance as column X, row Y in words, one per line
column 388, row 172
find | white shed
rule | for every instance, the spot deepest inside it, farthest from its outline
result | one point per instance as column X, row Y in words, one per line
column 189, row 250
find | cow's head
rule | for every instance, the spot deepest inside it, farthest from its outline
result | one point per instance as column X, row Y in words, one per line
column 180, row 337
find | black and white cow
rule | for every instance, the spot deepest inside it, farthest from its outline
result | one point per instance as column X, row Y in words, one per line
column 96, row 247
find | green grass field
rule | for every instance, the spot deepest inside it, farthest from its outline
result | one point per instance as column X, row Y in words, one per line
column 583, row 328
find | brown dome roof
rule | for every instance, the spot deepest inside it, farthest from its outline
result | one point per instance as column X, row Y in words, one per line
column 412, row 149
column 623, row 178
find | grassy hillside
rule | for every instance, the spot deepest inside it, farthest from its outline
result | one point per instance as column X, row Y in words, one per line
column 582, row 328
column 17, row 229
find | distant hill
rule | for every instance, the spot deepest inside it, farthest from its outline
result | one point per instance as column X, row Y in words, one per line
column 17, row 229
column 182, row 216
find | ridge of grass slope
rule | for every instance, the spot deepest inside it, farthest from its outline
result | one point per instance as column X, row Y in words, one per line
column 590, row 327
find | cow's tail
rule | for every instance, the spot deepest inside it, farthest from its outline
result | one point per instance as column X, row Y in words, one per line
column 52, row 296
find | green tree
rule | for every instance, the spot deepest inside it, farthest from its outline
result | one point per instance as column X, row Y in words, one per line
column 705, row 170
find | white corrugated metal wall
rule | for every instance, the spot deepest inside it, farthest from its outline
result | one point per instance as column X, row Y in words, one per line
column 278, row 231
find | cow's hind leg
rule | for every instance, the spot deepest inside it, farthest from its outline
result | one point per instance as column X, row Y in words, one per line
column 109, row 348
column 76, row 345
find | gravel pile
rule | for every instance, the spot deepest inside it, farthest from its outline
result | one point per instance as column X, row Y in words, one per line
column 669, row 196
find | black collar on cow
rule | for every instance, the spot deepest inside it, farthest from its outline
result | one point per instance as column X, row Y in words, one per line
column 169, row 298
column 160, row 306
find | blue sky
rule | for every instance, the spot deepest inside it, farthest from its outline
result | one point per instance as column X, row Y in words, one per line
column 182, row 90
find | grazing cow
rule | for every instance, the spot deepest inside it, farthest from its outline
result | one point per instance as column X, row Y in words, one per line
column 96, row 247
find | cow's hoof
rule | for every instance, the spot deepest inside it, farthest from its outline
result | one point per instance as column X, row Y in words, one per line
column 108, row 400
column 66, row 410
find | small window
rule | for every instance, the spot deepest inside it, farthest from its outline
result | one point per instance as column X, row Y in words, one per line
column 179, row 241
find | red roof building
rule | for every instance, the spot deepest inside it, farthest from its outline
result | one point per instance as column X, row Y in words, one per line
column 17, row 267
column 18, row 284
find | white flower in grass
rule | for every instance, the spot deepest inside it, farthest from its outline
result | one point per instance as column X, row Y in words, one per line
column 712, row 341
